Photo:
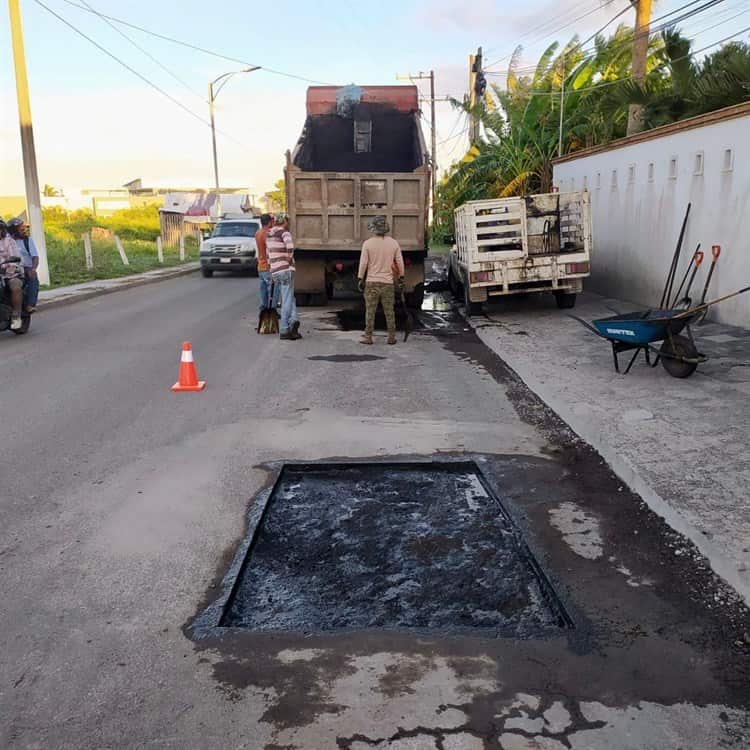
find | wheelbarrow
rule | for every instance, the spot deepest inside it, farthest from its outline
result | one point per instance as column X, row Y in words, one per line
column 641, row 331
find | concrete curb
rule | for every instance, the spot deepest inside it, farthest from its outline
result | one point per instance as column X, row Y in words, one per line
column 722, row 565
column 90, row 289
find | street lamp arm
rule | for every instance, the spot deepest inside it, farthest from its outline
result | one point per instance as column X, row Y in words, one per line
column 226, row 76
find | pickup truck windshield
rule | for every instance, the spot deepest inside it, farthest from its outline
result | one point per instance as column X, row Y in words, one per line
column 236, row 229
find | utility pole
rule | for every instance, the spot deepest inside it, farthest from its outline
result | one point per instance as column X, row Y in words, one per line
column 477, row 87
column 433, row 127
column 31, row 178
column 212, row 94
column 640, row 57
column 562, row 107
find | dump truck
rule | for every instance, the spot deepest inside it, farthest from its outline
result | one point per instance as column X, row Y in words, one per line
column 535, row 243
column 361, row 154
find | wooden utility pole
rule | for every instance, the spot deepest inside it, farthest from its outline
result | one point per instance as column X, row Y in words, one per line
column 477, row 87
column 33, row 201
column 434, row 138
column 640, row 57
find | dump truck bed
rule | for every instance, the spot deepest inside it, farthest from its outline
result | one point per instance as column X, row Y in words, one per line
column 361, row 154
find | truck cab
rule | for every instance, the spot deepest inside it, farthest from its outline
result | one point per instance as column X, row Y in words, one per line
column 231, row 246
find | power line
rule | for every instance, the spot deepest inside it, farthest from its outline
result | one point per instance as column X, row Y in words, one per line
column 565, row 14
column 150, row 83
column 590, row 53
column 144, row 51
column 195, row 47
column 653, row 30
column 556, row 31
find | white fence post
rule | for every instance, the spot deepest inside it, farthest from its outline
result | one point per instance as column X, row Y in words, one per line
column 159, row 251
column 121, row 250
column 182, row 246
column 87, row 251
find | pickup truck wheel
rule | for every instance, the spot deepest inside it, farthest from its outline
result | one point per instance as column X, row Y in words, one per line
column 207, row 273
column 565, row 300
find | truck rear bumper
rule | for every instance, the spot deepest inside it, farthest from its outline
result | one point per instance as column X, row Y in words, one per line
column 534, row 274
column 231, row 263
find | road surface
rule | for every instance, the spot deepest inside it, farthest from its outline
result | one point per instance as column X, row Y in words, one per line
column 124, row 505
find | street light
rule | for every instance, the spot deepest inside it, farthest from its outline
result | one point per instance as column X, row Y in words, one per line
column 212, row 94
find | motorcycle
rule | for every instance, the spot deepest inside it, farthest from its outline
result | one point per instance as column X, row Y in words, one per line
column 6, row 308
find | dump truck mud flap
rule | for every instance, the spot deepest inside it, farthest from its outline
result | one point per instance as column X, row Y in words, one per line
column 310, row 281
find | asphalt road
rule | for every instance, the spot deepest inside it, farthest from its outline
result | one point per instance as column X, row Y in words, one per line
column 123, row 505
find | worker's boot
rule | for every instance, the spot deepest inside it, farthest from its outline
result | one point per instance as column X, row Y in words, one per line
column 391, row 337
column 366, row 339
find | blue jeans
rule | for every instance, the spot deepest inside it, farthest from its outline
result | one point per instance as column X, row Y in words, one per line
column 31, row 293
column 285, row 280
column 264, row 286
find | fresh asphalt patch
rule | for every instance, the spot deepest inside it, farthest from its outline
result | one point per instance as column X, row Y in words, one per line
column 422, row 546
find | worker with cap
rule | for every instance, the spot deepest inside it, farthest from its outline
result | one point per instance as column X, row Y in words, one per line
column 381, row 269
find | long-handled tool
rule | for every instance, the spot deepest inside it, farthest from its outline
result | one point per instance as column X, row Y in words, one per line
column 695, row 262
column 703, row 307
column 408, row 320
column 667, row 293
column 715, row 252
column 269, row 318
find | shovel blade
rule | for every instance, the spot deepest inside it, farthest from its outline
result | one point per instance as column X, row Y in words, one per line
column 269, row 322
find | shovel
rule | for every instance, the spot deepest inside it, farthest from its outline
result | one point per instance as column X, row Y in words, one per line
column 269, row 318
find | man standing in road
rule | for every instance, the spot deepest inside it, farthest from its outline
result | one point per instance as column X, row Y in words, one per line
column 28, row 253
column 265, row 284
column 281, row 257
column 380, row 266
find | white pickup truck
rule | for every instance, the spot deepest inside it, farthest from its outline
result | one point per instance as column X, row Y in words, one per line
column 231, row 246
column 538, row 243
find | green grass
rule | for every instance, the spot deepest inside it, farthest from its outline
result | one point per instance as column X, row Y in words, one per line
column 67, row 261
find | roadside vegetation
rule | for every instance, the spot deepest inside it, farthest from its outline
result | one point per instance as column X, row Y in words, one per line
column 138, row 229
column 521, row 123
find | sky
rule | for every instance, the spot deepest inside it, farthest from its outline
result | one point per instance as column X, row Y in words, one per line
column 97, row 125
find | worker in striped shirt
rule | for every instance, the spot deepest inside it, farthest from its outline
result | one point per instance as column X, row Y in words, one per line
column 280, row 249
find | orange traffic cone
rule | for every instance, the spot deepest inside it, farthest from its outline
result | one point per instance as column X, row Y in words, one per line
column 188, row 379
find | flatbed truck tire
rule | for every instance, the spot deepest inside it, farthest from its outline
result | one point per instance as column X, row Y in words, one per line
column 565, row 300
column 456, row 289
column 472, row 308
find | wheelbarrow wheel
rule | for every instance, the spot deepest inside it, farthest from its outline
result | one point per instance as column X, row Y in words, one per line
column 679, row 347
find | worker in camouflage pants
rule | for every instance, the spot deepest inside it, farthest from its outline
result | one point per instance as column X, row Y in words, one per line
column 381, row 269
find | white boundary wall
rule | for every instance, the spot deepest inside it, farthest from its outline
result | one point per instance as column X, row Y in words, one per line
column 640, row 187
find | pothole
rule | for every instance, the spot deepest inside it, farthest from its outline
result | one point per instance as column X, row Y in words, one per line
column 416, row 546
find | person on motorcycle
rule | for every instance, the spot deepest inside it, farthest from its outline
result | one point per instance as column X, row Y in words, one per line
column 28, row 253
column 12, row 275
